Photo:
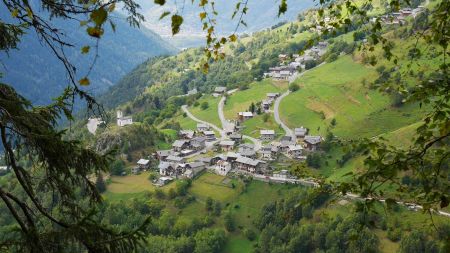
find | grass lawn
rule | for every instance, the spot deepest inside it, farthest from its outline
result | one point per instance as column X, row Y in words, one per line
column 211, row 185
column 336, row 91
column 210, row 114
column 252, row 126
column 241, row 100
column 123, row 187
column 238, row 243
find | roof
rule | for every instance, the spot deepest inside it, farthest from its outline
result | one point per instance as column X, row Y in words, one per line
column 301, row 131
column 143, row 162
column 220, row 89
column 165, row 178
column 175, row 158
column 223, row 162
column 205, row 159
column 246, row 146
column 266, row 132
column 179, row 143
column 187, row 132
column 247, row 152
column 163, row 165
column 232, row 155
column 286, row 138
column 313, row 139
column 198, row 139
column 226, row 143
column 273, row 94
column 248, row 161
column 209, row 132
column 246, row 114
column 295, row 147
column 164, row 152
column 196, row 164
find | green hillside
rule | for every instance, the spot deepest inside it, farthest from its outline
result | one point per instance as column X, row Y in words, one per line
column 337, row 91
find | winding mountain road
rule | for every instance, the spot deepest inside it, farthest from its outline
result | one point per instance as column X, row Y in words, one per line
column 226, row 125
column 276, row 115
column 190, row 115
column 276, row 107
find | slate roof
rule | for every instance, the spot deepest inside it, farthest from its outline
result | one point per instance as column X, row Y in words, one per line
column 313, row 139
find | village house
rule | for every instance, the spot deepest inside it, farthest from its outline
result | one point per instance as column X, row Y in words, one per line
column 249, row 164
column 283, row 57
column 186, row 134
column 295, row 151
column 123, row 121
column 180, row 145
column 143, row 164
column 226, row 145
column 266, row 105
column 237, row 137
column 265, row 154
column 247, row 150
column 186, row 152
column 198, row 143
column 219, row 90
column 284, row 145
column 206, row 160
column 166, row 169
column 272, row 96
column 192, row 169
column 300, row 132
column 267, row 135
column 244, row 116
column 222, row 167
column 161, row 155
column 175, row 159
column 202, row 127
column 135, row 170
column 209, row 135
column 312, row 142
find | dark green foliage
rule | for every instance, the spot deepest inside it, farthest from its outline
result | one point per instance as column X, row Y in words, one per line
column 217, row 208
column 209, row 241
column 250, row 234
column 117, row 168
column 228, row 222
column 417, row 242
column 314, row 160
column 293, row 87
column 209, row 204
column 310, row 64
column 100, row 184
column 204, row 105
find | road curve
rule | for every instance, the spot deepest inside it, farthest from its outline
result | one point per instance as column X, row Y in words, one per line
column 226, row 124
column 276, row 112
column 276, row 115
column 190, row 115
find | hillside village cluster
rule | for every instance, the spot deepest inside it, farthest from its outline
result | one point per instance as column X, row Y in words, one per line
column 186, row 157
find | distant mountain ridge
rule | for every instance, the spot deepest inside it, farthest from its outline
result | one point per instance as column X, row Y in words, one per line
column 261, row 14
column 39, row 76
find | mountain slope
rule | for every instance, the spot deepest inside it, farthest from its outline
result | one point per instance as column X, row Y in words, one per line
column 38, row 75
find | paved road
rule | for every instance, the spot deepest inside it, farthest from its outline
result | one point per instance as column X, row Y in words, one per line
column 276, row 112
column 190, row 115
column 276, row 115
column 227, row 125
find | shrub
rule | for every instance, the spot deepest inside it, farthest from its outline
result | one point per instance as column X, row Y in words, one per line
column 293, row 87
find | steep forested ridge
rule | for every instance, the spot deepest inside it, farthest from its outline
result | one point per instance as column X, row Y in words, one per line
column 38, row 75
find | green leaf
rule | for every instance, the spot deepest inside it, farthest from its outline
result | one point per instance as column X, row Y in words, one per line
column 160, row 2
column 99, row 16
column 202, row 15
column 85, row 49
column 166, row 13
column 94, row 32
column 177, row 20
column 84, row 82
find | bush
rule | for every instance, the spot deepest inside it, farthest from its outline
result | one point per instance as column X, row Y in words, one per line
column 394, row 234
column 204, row 105
column 250, row 234
column 229, row 222
column 293, row 87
